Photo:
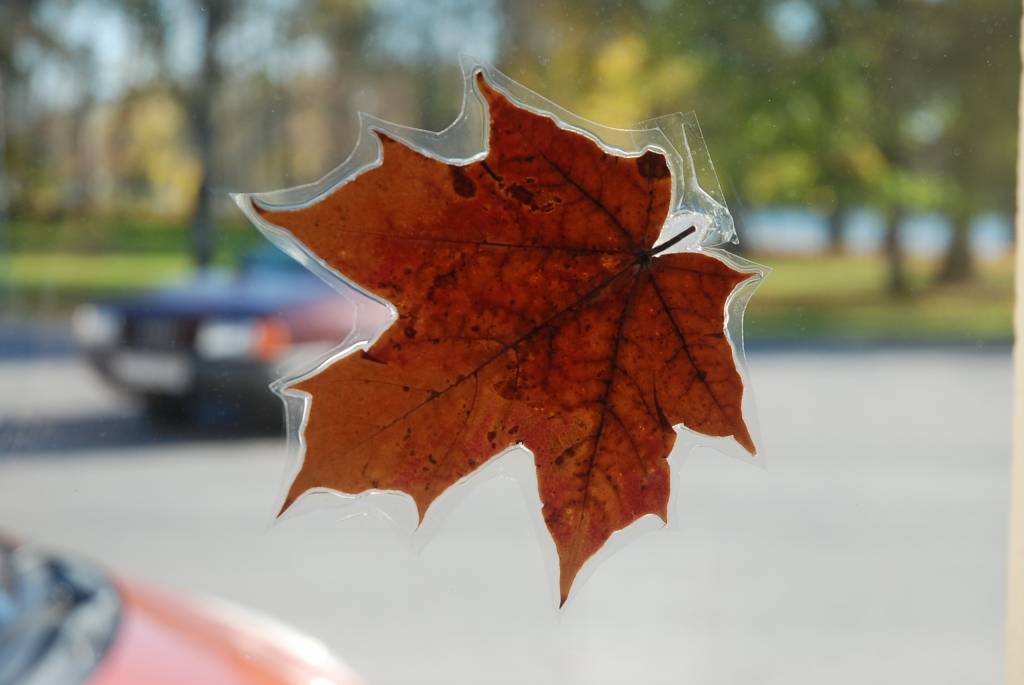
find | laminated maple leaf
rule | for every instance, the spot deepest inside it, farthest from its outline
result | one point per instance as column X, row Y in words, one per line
column 534, row 307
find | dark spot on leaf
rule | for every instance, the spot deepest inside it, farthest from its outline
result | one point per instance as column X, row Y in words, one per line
column 522, row 194
column 410, row 332
column 461, row 183
column 444, row 279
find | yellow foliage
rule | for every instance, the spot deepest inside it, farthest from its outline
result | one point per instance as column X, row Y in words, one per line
column 676, row 76
column 157, row 150
column 621, row 59
column 629, row 86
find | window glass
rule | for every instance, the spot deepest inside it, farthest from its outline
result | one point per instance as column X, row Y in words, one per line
column 866, row 151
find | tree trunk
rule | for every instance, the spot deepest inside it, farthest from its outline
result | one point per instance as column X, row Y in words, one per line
column 215, row 16
column 957, row 266
column 896, row 284
column 79, row 191
column 836, row 224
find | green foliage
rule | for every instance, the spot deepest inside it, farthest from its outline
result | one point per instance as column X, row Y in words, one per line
column 881, row 103
column 130, row 235
column 897, row 105
column 820, row 103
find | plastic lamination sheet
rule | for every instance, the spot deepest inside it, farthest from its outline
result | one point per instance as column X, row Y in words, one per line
column 525, row 281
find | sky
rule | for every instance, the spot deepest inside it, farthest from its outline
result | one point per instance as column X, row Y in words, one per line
column 405, row 31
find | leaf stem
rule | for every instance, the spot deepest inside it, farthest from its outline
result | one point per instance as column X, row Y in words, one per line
column 672, row 241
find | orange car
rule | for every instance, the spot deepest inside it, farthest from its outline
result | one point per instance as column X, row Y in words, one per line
column 62, row 621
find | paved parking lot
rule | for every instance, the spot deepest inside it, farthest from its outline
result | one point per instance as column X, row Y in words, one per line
column 870, row 550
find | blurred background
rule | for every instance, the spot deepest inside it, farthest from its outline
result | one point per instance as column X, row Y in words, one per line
column 866, row 149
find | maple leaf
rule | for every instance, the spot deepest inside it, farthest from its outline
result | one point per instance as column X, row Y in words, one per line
column 533, row 307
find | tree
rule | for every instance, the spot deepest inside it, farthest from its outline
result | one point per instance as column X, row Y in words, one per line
column 972, row 116
column 215, row 17
column 198, row 92
column 19, row 27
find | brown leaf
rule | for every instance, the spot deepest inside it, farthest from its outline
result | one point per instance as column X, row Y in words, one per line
column 534, row 308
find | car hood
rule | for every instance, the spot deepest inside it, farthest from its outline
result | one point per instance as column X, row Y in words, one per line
column 226, row 293
column 165, row 639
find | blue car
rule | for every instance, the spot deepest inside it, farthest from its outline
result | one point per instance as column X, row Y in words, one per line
column 215, row 340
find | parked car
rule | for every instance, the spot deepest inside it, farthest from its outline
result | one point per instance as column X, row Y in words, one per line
column 65, row 622
column 215, row 339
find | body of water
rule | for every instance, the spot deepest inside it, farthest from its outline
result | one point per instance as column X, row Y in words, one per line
column 796, row 230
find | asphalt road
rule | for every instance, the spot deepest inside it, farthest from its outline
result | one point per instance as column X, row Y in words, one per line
column 870, row 550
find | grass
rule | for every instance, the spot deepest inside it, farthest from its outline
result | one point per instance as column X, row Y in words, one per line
column 94, row 272
column 844, row 298
column 132, row 235
column 54, row 266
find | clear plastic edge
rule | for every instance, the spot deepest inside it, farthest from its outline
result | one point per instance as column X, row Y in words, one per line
column 696, row 201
